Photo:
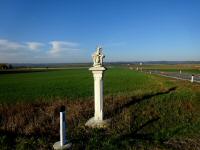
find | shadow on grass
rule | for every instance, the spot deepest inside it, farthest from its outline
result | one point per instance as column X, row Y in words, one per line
column 135, row 135
column 134, row 100
column 97, row 137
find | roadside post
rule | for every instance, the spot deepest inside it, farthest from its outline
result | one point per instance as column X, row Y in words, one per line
column 63, row 143
column 141, row 66
column 192, row 78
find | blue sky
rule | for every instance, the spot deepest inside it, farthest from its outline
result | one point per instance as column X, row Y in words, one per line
column 59, row 31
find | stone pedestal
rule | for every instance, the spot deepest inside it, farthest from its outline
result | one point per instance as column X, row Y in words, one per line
column 57, row 146
column 97, row 120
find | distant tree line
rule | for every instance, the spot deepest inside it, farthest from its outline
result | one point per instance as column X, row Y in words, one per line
column 5, row 66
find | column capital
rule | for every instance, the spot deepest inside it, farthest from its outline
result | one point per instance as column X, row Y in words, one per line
column 97, row 71
column 93, row 69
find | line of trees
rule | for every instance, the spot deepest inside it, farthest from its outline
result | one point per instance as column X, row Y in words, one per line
column 5, row 66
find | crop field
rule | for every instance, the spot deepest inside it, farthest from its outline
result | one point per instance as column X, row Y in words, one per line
column 68, row 84
column 147, row 111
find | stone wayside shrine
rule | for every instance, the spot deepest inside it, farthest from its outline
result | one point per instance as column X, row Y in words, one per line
column 98, row 70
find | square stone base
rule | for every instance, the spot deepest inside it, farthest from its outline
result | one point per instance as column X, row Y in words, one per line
column 97, row 123
column 57, row 146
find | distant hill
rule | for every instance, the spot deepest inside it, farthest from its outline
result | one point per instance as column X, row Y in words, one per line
column 157, row 62
column 57, row 65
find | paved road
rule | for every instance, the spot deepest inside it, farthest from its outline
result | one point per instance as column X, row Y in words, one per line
column 176, row 75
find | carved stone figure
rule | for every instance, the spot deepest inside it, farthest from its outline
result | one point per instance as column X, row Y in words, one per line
column 98, row 58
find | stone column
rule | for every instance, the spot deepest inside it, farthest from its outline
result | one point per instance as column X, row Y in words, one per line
column 98, row 120
column 98, row 92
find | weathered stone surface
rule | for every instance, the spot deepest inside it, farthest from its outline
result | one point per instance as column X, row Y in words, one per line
column 97, row 123
column 57, row 146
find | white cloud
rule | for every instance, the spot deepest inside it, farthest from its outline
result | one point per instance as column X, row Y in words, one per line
column 58, row 47
column 37, row 52
column 9, row 46
column 34, row 45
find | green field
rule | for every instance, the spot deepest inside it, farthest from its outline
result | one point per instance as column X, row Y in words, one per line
column 68, row 84
column 147, row 111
